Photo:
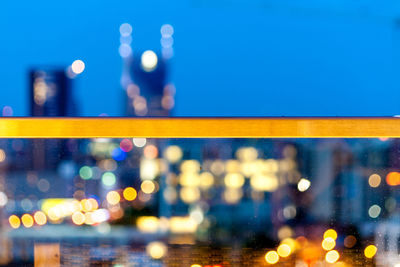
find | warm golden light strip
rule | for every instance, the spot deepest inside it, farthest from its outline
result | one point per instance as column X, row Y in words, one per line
column 198, row 127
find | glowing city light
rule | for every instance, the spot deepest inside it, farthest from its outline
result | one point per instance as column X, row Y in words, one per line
column 85, row 172
column 148, row 187
column 350, row 241
column 330, row 233
column 284, row 250
column 332, row 256
column 150, row 152
column 129, row 193
column 113, row 197
column 139, row 142
column 78, row 218
column 370, row 251
column 108, row 179
column 303, row 184
column 78, row 66
column 125, row 29
column 271, row 257
column 374, row 180
column 173, row 154
column 3, row 199
column 27, row 220
column 14, row 221
column 393, row 178
column 234, row 180
column 149, row 60
column 167, row 30
column 2, row 155
column 40, row 218
column 328, row 243
column 374, row 211
column 156, row 250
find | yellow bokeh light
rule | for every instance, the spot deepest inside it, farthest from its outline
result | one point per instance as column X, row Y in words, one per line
column 86, row 205
column 27, row 220
column 328, row 243
column 370, row 251
column 129, row 193
column 284, row 250
column 78, row 218
column 173, row 154
column 113, row 197
column 206, row 180
column 89, row 218
column 290, row 242
column 14, row 221
column 40, row 218
column 148, row 187
column 234, row 180
column 93, row 203
column 330, row 233
column 147, row 224
column 332, row 256
column 272, row 257
column 156, row 250
column 189, row 194
column 195, row 265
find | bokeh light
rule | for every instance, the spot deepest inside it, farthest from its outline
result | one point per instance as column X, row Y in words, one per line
column 129, row 193
column 271, row 257
column 78, row 66
column 370, row 251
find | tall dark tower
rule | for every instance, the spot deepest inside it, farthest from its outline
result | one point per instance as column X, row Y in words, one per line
column 50, row 96
column 145, row 76
column 50, row 93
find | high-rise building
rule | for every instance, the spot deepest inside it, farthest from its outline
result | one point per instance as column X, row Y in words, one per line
column 50, row 96
column 145, row 76
column 50, row 93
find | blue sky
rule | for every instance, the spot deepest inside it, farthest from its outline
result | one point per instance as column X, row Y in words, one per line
column 232, row 58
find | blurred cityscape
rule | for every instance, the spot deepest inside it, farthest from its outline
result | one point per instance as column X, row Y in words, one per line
column 190, row 202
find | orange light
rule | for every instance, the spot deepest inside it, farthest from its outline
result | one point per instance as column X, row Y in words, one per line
column 27, row 220
column 150, row 152
column 40, row 218
column 393, row 178
column 129, row 193
column 14, row 221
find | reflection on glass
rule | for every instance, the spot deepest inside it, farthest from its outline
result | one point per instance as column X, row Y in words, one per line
column 200, row 202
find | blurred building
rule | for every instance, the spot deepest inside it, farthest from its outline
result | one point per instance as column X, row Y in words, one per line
column 50, row 96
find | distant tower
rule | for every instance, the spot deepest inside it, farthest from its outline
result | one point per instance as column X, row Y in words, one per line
column 51, row 96
column 145, row 77
column 50, row 93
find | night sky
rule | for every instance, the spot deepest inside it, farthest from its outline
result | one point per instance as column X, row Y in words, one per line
column 232, row 58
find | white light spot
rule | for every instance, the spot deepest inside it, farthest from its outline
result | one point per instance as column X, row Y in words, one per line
column 125, row 50
column 78, row 66
column 167, row 30
column 125, row 29
column 374, row 211
column 303, row 184
column 149, row 60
